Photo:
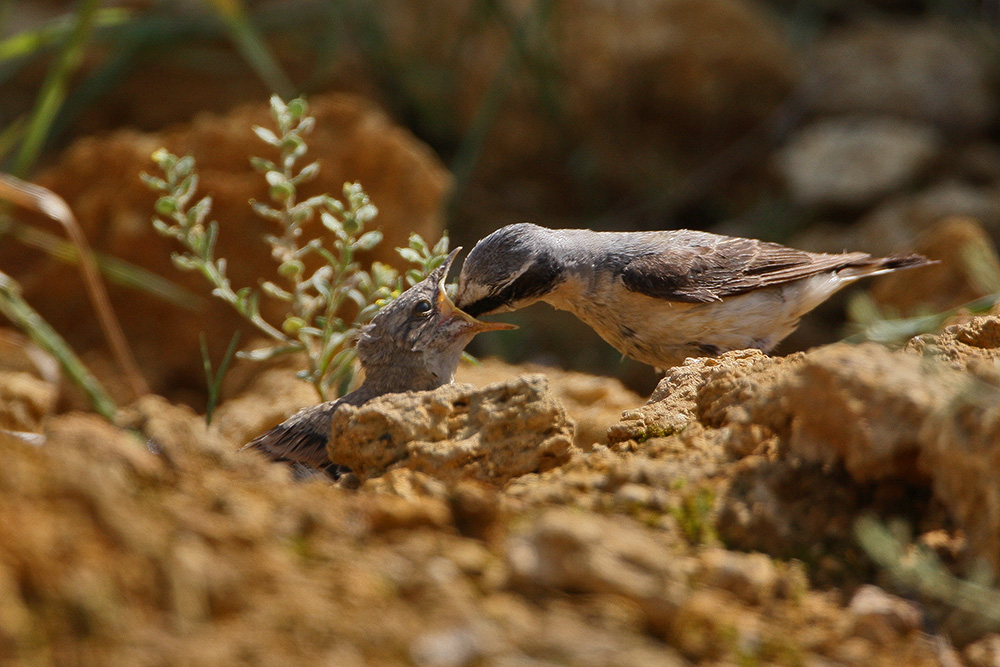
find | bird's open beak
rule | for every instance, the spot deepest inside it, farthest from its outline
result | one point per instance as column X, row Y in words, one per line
column 448, row 309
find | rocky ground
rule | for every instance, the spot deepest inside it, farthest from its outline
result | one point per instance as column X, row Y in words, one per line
column 716, row 523
column 832, row 504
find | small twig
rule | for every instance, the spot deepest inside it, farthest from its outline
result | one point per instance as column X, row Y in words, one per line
column 48, row 203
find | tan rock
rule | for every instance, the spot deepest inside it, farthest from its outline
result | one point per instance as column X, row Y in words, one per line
column 861, row 405
column 878, row 616
column 850, row 162
column 961, row 456
column 983, row 653
column 25, row 401
column 579, row 553
column 751, row 577
column 962, row 346
column 592, row 402
column 674, row 403
column 493, row 434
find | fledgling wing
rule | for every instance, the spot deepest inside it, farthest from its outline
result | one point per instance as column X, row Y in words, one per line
column 301, row 438
column 698, row 267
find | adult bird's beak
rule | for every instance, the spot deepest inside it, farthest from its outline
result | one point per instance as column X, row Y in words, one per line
column 448, row 310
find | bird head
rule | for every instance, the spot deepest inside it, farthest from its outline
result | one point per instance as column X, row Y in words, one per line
column 420, row 335
column 511, row 268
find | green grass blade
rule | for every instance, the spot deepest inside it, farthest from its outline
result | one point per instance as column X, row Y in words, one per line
column 250, row 44
column 17, row 310
column 30, row 42
column 53, row 91
column 116, row 270
column 214, row 382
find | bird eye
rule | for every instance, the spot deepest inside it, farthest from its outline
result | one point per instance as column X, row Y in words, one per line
column 422, row 308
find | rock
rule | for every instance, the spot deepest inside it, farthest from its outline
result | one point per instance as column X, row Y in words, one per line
column 966, row 257
column 983, row 653
column 577, row 553
column 493, row 434
column 850, row 162
column 860, row 405
column 591, row 402
column 99, row 179
column 961, row 456
column 675, row 400
column 19, row 355
column 879, row 616
column 682, row 78
column 449, row 648
column 750, row 577
column 25, row 401
column 928, row 71
column 969, row 346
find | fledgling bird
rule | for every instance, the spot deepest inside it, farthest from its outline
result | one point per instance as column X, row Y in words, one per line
column 661, row 296
column 413, row 344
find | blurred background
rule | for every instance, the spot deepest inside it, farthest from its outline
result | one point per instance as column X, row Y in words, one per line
column 828, row 125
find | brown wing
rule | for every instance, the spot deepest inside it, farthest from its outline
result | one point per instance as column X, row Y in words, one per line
column 698, row 267
column 301, row 438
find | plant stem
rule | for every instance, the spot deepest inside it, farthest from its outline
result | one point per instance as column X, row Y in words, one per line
column 17, row 310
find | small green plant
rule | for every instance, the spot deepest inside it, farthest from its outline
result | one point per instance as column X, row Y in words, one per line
column 919, row 569
column 694, row 515
column 315, row 298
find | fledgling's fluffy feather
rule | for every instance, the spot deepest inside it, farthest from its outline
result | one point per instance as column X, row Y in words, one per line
column 414, row 343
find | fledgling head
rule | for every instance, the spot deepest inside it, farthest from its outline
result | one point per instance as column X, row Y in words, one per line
column 509, row 269
column 416, row 341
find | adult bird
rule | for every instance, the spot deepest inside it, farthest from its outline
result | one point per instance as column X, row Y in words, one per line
column 661, row 296
column 413, row 344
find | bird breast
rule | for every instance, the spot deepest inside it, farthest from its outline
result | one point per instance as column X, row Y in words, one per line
column 662, row 333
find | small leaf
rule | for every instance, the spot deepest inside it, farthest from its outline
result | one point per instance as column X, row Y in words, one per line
column 185, row 166
column 152, row 182
column 366, row 213
column 293, row 325
column 297, row 108
column 441, row 247
column 265, row 211
column 369, row 240
column 163, row 158
column 281, row 192
column 266, row 135
column 331, row 223
column 261, row 165
column 357, row 297
column 308, row 173
column 163, row 228
column 410, row 255
column 291, row 268
column 184, row 262
column 418, row 243
column 166, row 205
